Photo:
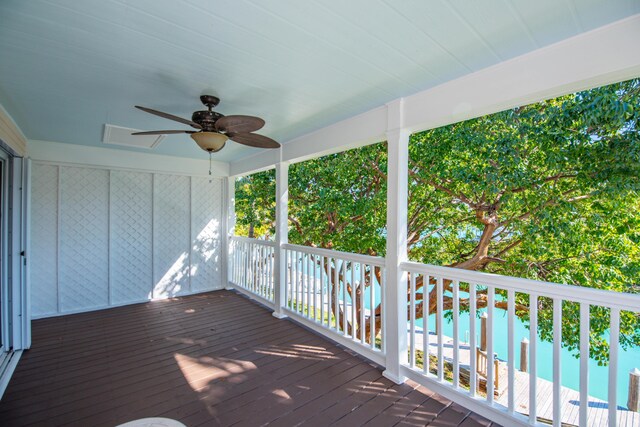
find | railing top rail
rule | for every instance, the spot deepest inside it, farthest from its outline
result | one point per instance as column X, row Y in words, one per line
column 254, row 241
column 600, row 297
column 347, row 256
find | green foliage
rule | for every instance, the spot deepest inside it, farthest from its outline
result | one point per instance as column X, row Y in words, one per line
column 339, row 201
column 255, row 201
column 547, row 191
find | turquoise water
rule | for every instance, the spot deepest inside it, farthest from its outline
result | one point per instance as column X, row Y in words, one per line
column 570, row 366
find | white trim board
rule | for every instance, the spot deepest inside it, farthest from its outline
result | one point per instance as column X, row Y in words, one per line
column 109, row 158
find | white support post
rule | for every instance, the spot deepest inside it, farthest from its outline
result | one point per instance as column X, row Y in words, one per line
column 395, row 291
column 229, row 227
column 282, row 237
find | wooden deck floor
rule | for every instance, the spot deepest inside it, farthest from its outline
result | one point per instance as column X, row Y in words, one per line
column 205, row 360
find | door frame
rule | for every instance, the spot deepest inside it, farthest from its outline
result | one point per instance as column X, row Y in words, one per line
column 15, row 326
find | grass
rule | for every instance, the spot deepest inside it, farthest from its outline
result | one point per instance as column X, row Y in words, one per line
column 463, row 378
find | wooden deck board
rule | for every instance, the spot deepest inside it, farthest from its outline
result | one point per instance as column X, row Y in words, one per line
column 208, row 359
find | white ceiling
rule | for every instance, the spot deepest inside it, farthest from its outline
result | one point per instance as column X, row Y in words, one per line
column 69, row 67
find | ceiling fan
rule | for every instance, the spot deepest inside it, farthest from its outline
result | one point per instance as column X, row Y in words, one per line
column 214, row 129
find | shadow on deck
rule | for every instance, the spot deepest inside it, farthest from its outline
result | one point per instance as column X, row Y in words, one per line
column 209, row 359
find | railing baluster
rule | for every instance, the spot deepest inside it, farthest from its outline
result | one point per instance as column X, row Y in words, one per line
column 412, row 321
column 472, row 340
column 243, row 272
column 310, row 284
column 250, row 269
column 254, row 268
column 296, row 268
column 372, row 307
column 261, row 265
column 456, row 333
column 234, row 255
column 584, row 363
column 232, row 259
column 557, row 368
column 439, row 327
column 353, row 301
column 255, row 273
column 265, row 275
column 305, row 286
column 239, row 253
column 287, row 293
column 383, row 332
column 491, row 373
column 316, row 279
column 336, row 290
column 322, row 264
column 268, row 273
column 363, row 325
column 257, row 270
column 345, row 330
column 425, row 324
column 614, row 338
column 271, row 269
column 511, row 297
column 314, row 294
column 305, row 282
column 533, row 364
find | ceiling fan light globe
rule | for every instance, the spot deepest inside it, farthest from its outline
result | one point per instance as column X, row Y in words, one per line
column 209, row 141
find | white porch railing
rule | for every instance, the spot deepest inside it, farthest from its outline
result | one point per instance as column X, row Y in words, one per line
column 451, row 288
column 338, row 293
column 341, row 295
column 252, row 267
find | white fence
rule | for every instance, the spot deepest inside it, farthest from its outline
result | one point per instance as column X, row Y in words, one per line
column 251, row 268
column 453, row 291
column 341, row 296
column 339, row 292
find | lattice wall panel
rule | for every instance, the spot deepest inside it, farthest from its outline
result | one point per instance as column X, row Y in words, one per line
column 84, row 238
column 131, row 213
column 171, row 235
column 119, row 237
column 206, row 223
column 44, row 235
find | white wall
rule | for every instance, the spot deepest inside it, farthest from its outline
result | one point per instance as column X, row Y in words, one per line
column 103, row 237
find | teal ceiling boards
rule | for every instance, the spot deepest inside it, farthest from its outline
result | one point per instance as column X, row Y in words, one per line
column 69, row 67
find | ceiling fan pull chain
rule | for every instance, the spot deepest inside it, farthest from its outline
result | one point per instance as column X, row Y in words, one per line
column 209, row 167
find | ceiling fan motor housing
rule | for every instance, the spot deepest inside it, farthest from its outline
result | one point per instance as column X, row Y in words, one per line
column 206, row 119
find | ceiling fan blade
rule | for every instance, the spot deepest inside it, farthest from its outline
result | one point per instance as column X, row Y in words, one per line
column 239, row 124
column 170, row 117
column 253, row 140
column 162, row 132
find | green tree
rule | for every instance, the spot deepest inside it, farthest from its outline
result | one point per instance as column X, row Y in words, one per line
column 339, row 201
column 547, row 191
column 255, row 203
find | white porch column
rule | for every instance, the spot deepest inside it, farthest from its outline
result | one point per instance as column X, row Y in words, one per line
column 229, row 216
column 395, row 292
column 282, row 237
